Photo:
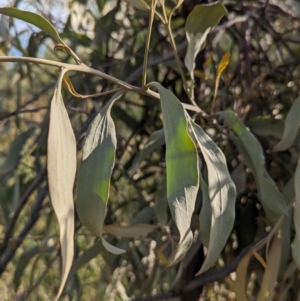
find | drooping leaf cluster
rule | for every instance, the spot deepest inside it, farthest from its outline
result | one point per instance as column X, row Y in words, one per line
column 179, row 163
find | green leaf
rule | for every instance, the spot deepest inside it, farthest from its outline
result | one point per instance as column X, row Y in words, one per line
column 33, row 19
column 94, row 174
column 155, row 140
column 143, row 216
column 16, row 194
column 130, row 231
column 289, row 191
column 296, row 242
column 272, row 216
column 266, row 126
column 221, row 191
column 6, row 196
column 205, row 215
column 182, row 168
column 199, row 23
column 61, row 174
column 296, row 251
column 13, row 154
column 139, row 4
column 285, row 241
column 271, row 199
column 285, row 228
column 296, row 6
column 111, row 248
column 85, row 257
column 239, row 178
column 291, row 126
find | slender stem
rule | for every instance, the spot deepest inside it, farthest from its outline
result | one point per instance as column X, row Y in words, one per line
column 67, row 49
column 159, row 16
column 173, row 44
column 80, row 68
column 178, row 61
column 151, row 17
column 189, row 91
column 70, row 67
column 179, row 2
column 208, row 276
column 80, row 96
column 86, row 69
column 24, row 59
column 101, row 93
column 164, row 12
column 74, row 55
column 215, row 95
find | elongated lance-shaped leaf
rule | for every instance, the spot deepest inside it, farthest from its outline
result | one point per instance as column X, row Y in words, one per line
column 130, row 230
column 267, row 287
column 270, row 197
column 291, row 126
column 94, row 174
column 85, row 257
column 221, row 191
column 155, row 140
column 238, row 176
column 241, row 271
column 285, row 228
column 199, row 23
column 182, row 168
column 221, row 67
column 272, row 216
column 296, row 242
column 143, row 216
column 139, row 4
column 205, row 215
column 33, row 19
column 241, row 279
column 61, row 175
column 265, row 126
column 296, row 251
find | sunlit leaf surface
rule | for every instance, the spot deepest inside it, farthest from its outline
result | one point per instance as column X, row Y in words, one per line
column 199, row 23
column 291, row 126
column 33, row 19
column 94, row 174
column 221, row 192
column 272, row 200
column 182, row 168
column 61, row 175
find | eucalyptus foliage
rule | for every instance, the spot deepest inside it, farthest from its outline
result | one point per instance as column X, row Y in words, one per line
column 195, row 167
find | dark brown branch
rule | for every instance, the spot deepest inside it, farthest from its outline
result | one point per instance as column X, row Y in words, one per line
column 28, row 102
column 207, row 277
column 10, row 251
column 40, row 177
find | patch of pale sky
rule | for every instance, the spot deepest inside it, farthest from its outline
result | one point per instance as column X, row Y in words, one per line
column 57, row 10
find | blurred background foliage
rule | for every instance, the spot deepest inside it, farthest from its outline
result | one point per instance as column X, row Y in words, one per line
column 260, row 84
